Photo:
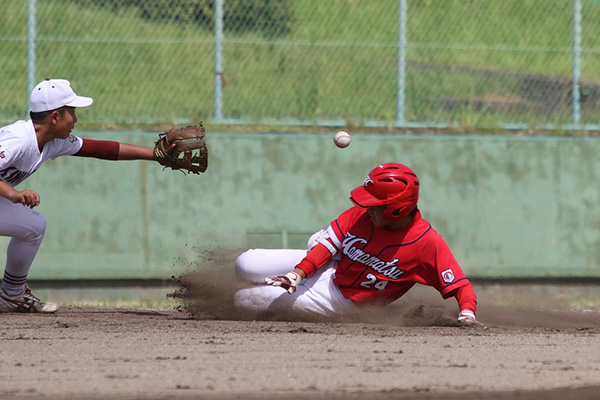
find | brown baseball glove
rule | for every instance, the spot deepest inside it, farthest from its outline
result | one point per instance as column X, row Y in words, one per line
column 189, row 153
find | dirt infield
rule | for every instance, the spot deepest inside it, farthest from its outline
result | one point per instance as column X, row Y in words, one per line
column 412, row 350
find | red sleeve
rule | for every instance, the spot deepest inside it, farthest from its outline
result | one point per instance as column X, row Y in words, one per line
column 441, row 270
column 103, row 149
column 465, row 295
column 315, row 259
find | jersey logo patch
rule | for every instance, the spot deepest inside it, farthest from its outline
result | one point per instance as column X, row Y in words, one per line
column 72, row 139
column 448, row 276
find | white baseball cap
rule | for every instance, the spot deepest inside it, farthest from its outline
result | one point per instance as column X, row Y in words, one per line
column 52, row 94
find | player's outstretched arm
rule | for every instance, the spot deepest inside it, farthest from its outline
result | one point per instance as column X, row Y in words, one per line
column 467, row 303
column 180, row 149
column 135, row 152
column 110, row 150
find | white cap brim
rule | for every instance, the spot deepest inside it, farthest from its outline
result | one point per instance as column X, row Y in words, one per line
column 80, row 101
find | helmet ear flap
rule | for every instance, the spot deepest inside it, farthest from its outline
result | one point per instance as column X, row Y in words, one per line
column 398, row 211
column 395, row 212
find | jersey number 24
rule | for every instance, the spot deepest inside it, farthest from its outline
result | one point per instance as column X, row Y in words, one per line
column 372, row 282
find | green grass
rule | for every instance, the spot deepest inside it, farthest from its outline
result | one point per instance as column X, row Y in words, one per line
column 339, row 62
column 134, row 297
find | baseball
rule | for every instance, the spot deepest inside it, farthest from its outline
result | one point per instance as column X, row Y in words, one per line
column 342, row 139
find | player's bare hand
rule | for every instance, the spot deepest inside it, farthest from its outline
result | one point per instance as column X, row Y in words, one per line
column 467, row 318
column 26, row 197
column 288, row 281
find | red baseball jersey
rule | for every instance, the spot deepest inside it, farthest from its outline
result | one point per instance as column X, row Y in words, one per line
column 379, row 265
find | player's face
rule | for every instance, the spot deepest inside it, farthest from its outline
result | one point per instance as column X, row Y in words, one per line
column 64, row 122
column 376, row 215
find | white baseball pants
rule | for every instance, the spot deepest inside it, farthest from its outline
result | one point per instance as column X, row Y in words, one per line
column 316, row 294
column 26, row 227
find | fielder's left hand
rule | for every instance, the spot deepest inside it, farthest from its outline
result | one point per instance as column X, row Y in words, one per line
column 288, row 281
column 466, row 317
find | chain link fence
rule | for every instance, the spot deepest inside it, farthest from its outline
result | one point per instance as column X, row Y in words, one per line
column 468, row 64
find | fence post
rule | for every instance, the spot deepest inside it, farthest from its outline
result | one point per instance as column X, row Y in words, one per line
column 400, row 107
column 219, row 60
column 31, row 39
column 576, row 61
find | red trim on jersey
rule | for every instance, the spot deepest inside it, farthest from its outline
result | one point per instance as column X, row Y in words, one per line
column 465, row 295
column 103, row 149
column 315, row 259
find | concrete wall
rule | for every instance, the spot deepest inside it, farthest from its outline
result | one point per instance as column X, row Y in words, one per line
column 507, row 205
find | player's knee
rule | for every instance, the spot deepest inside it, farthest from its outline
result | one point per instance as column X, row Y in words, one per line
column 241, row 265
column 249, row 300
column 35, row 229
column 263, row 300
column 245, row 267
column 239, row 299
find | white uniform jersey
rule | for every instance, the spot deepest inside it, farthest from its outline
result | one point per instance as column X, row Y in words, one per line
column 19, row 153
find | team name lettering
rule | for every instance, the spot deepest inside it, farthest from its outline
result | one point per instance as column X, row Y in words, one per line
column 12, row 175
column 389, row 269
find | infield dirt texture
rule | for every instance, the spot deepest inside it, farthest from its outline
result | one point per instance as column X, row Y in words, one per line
column 411, row 350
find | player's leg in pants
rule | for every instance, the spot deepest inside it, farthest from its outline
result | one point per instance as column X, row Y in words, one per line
column 316, row 294
column 257, row 264
column 26, row 227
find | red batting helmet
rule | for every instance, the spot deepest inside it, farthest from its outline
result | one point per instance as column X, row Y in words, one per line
column 392, row 185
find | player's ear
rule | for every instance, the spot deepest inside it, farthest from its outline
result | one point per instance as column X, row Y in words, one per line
column 54, row 116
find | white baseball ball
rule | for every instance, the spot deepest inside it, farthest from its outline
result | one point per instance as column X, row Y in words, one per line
column 342, row 139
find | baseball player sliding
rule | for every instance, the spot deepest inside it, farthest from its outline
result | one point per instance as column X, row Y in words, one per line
column 372, row 254
column 24, row 147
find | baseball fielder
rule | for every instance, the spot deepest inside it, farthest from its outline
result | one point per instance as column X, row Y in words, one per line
column 372, row 254
column 24, row 147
